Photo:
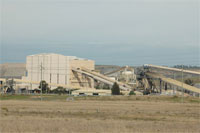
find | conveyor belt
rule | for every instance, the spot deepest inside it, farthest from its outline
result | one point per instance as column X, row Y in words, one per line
column 101, row 78
column 175, row 82
column 172, row 69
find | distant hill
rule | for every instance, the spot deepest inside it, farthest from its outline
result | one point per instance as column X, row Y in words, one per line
column 17, row 70
column 12, row 70
column 106, row 68
column 191, row 68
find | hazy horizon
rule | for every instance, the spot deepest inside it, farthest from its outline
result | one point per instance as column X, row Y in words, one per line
column 111, row 32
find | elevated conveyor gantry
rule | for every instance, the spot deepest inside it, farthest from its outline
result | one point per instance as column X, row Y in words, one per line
column 174, row 82
column 100, row 77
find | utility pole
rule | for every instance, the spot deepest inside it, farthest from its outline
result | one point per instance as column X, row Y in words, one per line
column 160, row 86
column 41, row 79
column 182, row 84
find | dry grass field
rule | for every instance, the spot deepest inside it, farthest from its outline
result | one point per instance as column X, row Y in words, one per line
column 99, row 114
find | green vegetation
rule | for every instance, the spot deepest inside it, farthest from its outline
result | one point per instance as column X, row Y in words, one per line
column 14, row 97
column 132, row 93
column 59, row 90
column 115, row 89
column 44, row 86
column 194, row 79
column 97, row 87
column 186, row 67
column 56, row 97
column 45, row 97
column 189, row 82
column 106, row 87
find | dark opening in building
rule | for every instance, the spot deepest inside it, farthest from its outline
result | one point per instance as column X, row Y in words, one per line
column 82, row 94
column 95, row 94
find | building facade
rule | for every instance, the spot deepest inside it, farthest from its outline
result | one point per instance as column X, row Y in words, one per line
column 57, row 69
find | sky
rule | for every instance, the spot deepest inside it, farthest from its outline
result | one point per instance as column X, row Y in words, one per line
column 111, row 32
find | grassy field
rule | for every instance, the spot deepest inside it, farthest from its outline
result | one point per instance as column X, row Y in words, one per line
column 24, row 113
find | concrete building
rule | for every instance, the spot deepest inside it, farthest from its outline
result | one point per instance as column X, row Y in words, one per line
column 57, row 69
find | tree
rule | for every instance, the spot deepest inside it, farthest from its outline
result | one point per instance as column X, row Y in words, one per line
column 44, row 86
column 132, row 93
column 115, row 89
column 189, row 82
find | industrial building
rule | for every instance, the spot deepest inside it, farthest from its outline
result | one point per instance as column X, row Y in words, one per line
column 57, row 69
column 125, row 74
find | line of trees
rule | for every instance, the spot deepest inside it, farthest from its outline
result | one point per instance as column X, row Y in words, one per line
column 45, row 89
column 185, row 66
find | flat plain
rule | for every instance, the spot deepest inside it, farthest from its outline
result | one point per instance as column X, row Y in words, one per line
column 99, row 114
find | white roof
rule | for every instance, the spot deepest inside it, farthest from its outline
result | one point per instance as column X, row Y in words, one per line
column 47, row 54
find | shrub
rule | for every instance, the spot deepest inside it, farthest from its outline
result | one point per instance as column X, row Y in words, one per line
column 189, row 82
column 132, row 93
column 59, row 90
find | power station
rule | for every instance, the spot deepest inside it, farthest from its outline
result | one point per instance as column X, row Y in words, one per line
column 79, row 75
